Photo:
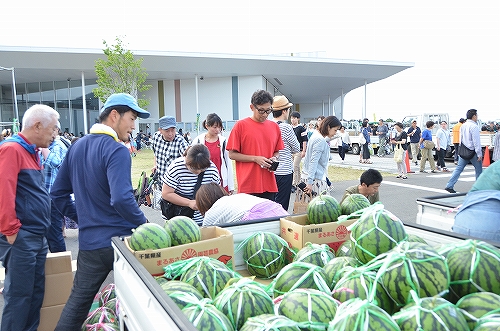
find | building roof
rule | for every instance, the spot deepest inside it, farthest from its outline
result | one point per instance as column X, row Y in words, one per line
column 306, row 80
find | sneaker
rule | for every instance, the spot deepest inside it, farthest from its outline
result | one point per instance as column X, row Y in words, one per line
column 449, row 189
column 404, row 177
column 416, row 163
column 446, row 170
column 456, row 162
column 438, row 169
column 434, row 171
column 423, row 171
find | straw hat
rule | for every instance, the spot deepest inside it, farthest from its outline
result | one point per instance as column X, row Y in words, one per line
column 281, row 102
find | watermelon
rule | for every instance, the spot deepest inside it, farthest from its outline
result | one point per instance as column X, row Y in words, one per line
column 313, row 309
column 207, row 275
column 489, row 322
column 107, row 293
column 413, row 266
column 243, row 299
column 161, row 280
column 414, row 238
column 114, row 305
column 430, row 313
column 270, row 322
column 376, row 232
column 182, row 230
column 333, row 269
column 206, row 316
column 149, row 236
column 475, row 305
column 353, row 203
column 363, row 315
column 181, row 293
column 345, row 249
column 299, row 275
column 317, row 254
column 323, row 209
column 264, row 253
column 362, row 283
column 474, row 267
column 101, row 327
column 101, row 315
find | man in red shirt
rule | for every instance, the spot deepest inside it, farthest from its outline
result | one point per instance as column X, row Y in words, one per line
column 254, row 143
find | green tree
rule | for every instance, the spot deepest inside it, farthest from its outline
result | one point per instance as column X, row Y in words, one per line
column 120, row 73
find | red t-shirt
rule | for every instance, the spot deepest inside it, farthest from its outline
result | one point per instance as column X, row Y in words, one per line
column 255, row 138
column 214, row 149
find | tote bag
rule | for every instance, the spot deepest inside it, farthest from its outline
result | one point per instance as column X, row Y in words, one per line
column 362, row 139
column 398, row 154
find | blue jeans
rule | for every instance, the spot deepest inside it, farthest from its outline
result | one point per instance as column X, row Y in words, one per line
column 460, row 167
column 55, row 237
column 92, row 269
column 24, row 263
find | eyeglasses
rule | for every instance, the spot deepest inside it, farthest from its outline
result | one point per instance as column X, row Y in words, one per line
column 263, row 111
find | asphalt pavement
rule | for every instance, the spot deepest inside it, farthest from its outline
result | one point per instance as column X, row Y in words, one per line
column 398, row 196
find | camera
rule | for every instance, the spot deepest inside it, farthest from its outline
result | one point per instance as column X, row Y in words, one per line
column 274, row 166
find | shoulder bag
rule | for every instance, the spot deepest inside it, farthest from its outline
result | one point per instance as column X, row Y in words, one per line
column 169, row 209
column 362, row 139
column 465, row 153
column 398, row 153
column 429, row 144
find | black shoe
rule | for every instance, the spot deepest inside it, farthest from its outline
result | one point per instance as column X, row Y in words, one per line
column 449, row 189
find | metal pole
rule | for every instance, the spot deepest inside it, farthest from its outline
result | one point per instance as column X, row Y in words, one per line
column 197, row 109
column 16, row 110
column 364, row 104
column 342, row 105
column 84, row 106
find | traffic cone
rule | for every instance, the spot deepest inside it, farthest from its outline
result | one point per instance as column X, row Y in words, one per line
column 407, row 162
column 486, row 158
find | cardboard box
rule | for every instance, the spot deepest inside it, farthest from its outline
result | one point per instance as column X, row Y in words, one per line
column 215, row 242
column 297, row 233
column 49, row 316
column 58, row 279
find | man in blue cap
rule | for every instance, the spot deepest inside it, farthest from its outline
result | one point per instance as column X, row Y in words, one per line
column 97, row 169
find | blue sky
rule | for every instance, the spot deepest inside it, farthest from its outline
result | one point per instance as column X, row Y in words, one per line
column 455, row 45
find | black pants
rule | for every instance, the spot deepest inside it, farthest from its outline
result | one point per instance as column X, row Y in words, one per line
column 441, row 154
column 342, row 152
column 284, row 183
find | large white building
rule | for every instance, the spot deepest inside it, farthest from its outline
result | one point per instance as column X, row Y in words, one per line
column 184, row 84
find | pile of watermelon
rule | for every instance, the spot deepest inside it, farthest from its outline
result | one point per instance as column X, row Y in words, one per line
column 178, row 230
column 103, row 314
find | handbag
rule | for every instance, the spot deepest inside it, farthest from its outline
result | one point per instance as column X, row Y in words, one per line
column 300, row 206
column 345, row 146
column 169, row 209
column 429, row 144
column 465, row 153
column 362, row 139
column 398, row 154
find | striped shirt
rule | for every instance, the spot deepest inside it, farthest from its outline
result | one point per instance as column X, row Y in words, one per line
column 291, row 147
column 167, row 151
column 470, row 136
column 183, row 181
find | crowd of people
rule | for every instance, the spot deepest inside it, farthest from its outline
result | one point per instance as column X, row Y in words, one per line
column 49, row 176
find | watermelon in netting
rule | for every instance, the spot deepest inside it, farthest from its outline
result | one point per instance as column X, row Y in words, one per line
column 333, row 268
column 206, row 316
column 300, row 275
column 243, row 299
column 414, row 238
column 323, row 209
column 107, row 294
column 114, row 305
column 264, row 253
column 207, row 275
column 434, row 313
column 476, row 305
column 149, row 236
column 376, row 232
column 363, row 315
column 413, row 266
column 182, row 230
column 101, row 327
column 489, row 322
column 101, row 315
column 353, row 203
column 362, row 283
column 181, row 293
column 270, row 322
column 345, row 249
column 474, row 267
column 317, row 254
column 313, row 309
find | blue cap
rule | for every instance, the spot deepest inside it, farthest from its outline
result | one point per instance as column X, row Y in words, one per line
column 125, row 99
column 167, row 122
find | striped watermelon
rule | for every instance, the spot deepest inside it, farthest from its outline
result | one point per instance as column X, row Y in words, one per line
column 149, row 236
column 362, row 283
column 476, row 305
column 489, row 322
column 414, row 238
column 270, row 322
column 114, row 305
column 181, row 293
column 353, row 202
column 311, row 308
column 207, row 275
column 101, row 315
column 206, row 316
column 431, row 313
column 333, row 269
column 345, row 249
column 243, row 299
column 323, row 209
column 107, row 293
column 413, row 266
column 299, row 275
column 474, row 267
column 317, row 254
column 264, row 254
column 376, row 232
column 102, row 327
column 359, row 314
column 182, row 230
